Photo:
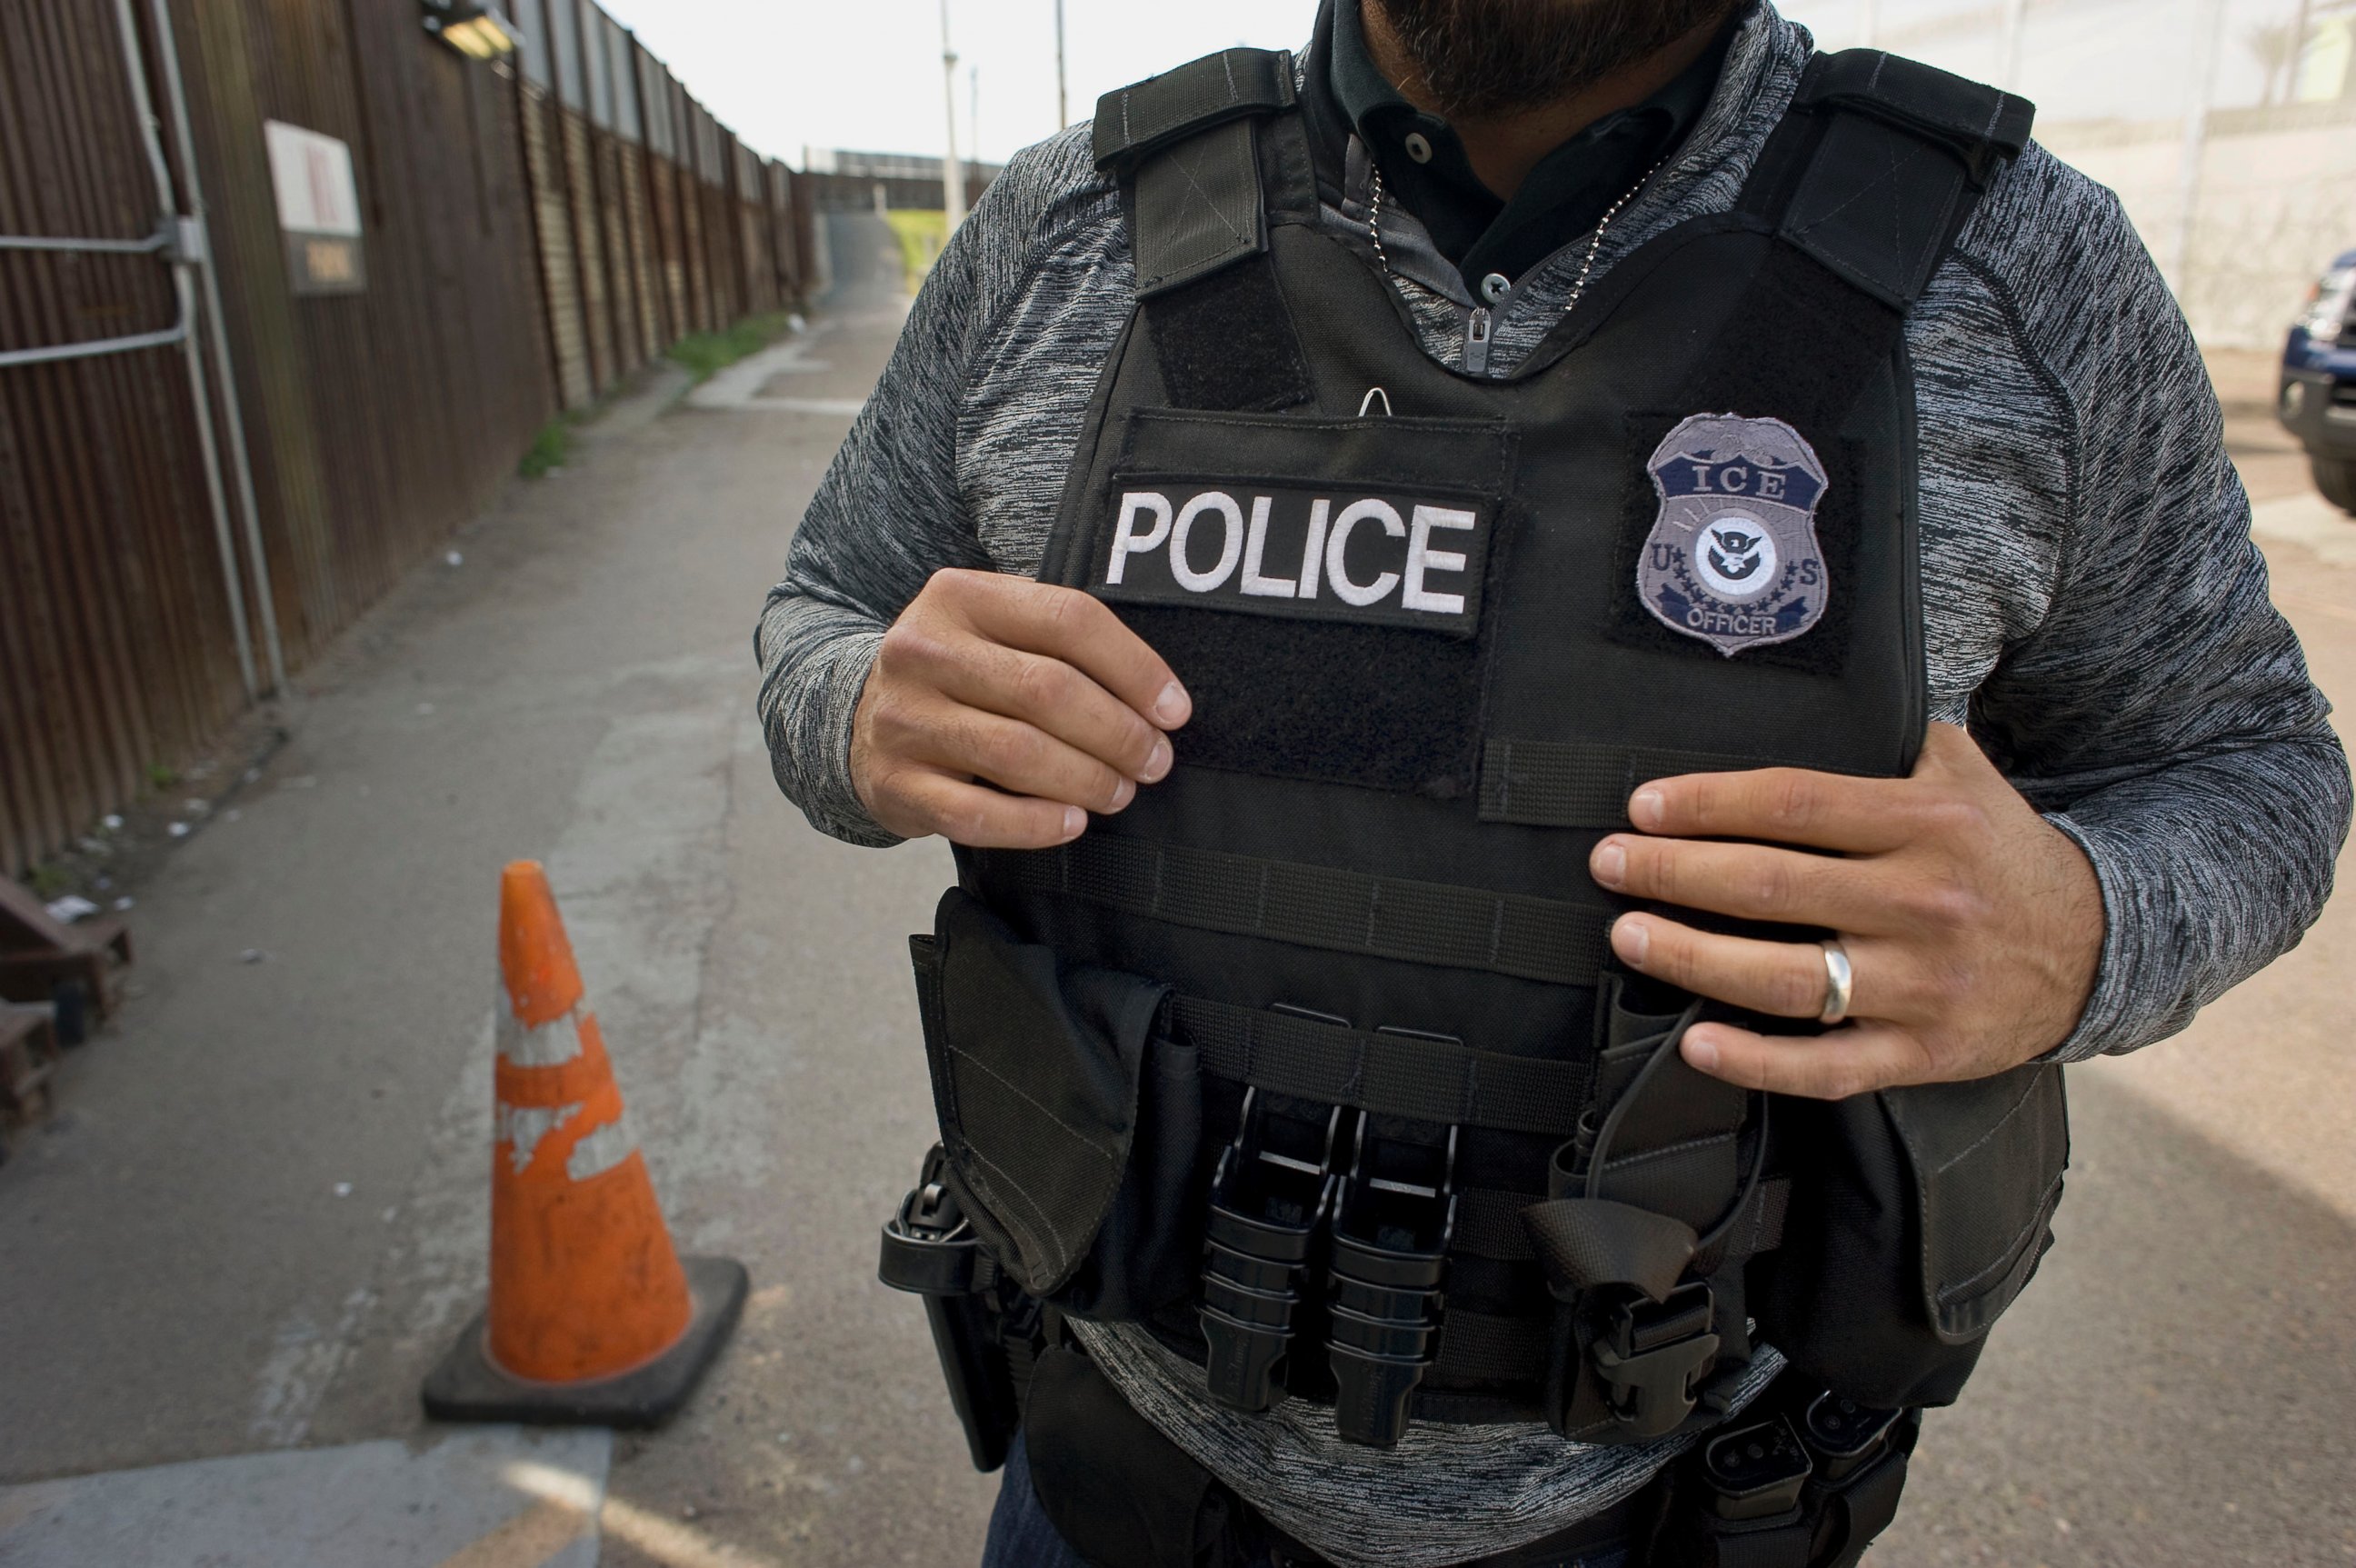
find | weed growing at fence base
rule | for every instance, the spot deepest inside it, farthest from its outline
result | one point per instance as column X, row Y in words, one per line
column 702, row 353
column 550, row 446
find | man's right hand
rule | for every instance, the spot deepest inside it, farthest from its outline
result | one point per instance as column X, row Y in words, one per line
column 990, row 679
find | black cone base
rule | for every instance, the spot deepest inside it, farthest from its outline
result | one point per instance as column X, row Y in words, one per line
column 468, row 1387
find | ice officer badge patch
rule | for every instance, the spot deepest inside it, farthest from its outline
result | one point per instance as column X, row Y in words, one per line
column 1732, row 559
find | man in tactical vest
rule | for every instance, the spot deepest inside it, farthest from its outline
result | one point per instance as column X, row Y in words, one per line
column 1570, row 648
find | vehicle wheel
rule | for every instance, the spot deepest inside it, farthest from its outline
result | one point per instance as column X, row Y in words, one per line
column 2335, row 477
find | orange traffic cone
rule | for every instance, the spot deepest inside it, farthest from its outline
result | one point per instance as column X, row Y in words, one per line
column 593, row 1317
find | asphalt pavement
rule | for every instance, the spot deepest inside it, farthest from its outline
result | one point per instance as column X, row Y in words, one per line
column 260, row 1216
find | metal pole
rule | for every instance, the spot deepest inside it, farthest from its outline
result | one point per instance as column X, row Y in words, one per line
column 2297, row 50
column 1063, row 98
column 952, row 177
column 2016, row 17
column 217, row 321
column 143, row 109
column 1868, row 22
column 2209, row 34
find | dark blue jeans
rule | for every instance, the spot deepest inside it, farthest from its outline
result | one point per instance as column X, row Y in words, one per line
column 1021, row 1537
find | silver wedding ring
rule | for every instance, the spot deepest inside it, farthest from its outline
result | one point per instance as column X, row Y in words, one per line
column 1839, row 979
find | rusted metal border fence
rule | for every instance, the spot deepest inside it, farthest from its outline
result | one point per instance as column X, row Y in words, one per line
column 532, row 234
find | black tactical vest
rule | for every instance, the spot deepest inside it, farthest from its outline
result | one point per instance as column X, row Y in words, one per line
column 1315, row 1058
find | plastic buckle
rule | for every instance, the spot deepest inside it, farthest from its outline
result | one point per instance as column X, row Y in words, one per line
column 1846, row 1437
column 1392, row 1226
column 1755, row 1472
column 929, row 1247
column 1273, row 1188
column 1653, row 1358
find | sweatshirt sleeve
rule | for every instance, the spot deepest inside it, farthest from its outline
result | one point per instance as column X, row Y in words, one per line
column 2161, row 713
column 885, row 517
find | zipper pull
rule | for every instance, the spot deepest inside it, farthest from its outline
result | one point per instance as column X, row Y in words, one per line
column 1476, row 341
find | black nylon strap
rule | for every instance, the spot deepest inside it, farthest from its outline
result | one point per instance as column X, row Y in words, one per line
column 1489, row 1225
column 1196, row 207
column 1482, row 1348
column 1899, row 167
column 1390, row 1075
column 1578, row 784
column 1319, row 907
column 1134, row 123
column 1981, row 124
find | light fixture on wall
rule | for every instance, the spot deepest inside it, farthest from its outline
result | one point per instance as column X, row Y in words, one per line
column 475, row 30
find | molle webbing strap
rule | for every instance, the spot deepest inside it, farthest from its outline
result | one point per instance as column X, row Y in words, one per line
column 1578, row 784
column 1902, row 160
column 1320, row 906
column 1482, row 1348
column 1389, row 1074
column 1135, row 122
column 1489, row 1225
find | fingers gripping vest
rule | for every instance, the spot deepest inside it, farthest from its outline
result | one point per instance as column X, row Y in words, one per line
column 1315, row 1058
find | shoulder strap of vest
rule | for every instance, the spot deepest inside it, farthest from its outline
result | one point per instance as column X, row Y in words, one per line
column 1880, row 164
column 1181, row 145
column 1136, row 122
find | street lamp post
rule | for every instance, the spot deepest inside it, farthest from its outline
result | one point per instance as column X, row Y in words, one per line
column 1063, row 99
column 952, row 174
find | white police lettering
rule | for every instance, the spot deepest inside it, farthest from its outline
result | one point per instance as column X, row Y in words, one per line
column 1231, row 542
column 1127, row 541
column 1337, row 552
column 1255, row 583
column 1422, row 558
column 1288, row 551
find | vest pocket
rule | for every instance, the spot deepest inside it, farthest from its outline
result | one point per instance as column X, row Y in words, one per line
column 1040, row 1073
column 1918, row 1215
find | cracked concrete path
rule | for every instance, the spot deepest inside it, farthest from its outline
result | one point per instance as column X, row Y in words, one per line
column 228, row 1264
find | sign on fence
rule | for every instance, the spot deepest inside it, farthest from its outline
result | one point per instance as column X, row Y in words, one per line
column 318, row 209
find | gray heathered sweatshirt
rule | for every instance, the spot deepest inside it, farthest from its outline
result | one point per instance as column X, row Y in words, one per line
column 2094, row 611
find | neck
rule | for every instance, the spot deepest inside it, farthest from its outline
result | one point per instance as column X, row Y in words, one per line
column 1504, row 148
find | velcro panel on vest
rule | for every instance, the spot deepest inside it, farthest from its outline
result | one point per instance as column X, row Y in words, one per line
column 1226, row 342
column 1321, row 907
column 1389, row 1075
column 1982, row 124
column 1134, row 123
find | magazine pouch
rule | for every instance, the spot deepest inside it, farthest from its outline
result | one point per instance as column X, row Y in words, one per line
column 1043, row 1074
column 1917, row 1215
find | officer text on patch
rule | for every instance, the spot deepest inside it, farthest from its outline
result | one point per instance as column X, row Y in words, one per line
column 1391, row 560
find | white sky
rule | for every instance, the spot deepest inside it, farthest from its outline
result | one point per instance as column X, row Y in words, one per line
column 784, row 73
column 789, row 73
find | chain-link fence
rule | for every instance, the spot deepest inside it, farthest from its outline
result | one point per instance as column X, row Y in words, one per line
column 2228, row 127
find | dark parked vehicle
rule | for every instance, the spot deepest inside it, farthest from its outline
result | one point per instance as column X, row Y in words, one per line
column 2319, row 383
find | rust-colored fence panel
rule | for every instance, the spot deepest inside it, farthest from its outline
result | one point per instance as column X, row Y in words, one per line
column 531, row 231
column 383, row 418
column 116, row 651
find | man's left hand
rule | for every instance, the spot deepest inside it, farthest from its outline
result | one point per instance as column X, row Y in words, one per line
column 1972, row 926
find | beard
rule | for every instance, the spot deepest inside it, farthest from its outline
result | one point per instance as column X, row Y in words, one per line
column 1481, row 58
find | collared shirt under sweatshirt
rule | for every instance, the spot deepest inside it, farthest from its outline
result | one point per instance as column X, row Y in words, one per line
column 2093, row 610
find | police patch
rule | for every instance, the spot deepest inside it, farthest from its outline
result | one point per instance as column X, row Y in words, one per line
column 1732, row 559
column 1387, row 558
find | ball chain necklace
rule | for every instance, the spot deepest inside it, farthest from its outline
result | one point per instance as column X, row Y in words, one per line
column 1594, row 245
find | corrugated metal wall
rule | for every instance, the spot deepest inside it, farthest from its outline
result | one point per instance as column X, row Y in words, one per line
column 534, row 231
